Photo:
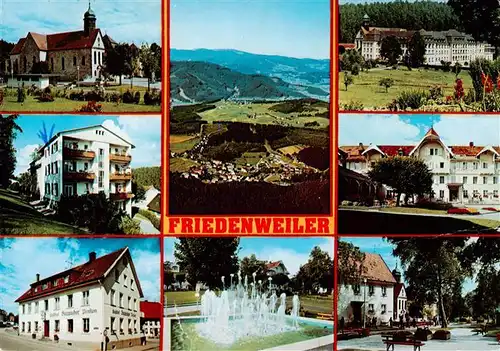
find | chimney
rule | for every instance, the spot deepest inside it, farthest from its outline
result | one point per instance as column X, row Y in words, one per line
column 38, row 277
column 92, row 256
column 471, row 144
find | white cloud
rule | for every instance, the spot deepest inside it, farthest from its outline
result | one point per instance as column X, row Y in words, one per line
column 460, row 130
column 375, row 129
column 124, row 20
column 23, row 158
column 144, row 132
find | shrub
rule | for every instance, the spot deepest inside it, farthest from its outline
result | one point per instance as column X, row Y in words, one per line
column 45, row 97
column 446, row 66
column 21, row 94
column 128, row 97
column 436, row 92
column 151, row 217
column 152, row 97
column 346, row 203
column 352, row 106
column 114, row 97
column 137, row 97
column 130, row 226
column 433, row 205
column 77, row 95
column 442, row 334
column 355, row 69
column 387, row 83
column 91, row 106
column 423, row 334
column 412, row 99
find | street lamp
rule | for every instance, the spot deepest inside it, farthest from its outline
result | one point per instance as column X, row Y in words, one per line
column 364, row 304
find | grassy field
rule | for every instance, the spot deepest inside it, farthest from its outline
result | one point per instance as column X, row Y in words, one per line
column 65, row 105
column 17, row 217
column 181, row 143
column 180, row 297
column 179, row 164
column 366, row 87
column 259, row 113
column 250, row 157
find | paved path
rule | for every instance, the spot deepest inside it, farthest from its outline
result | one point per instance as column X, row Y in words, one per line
column 10, row 341
column 146, row 226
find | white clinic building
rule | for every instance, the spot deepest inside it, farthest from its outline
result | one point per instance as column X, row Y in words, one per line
column 83, row 161
column 462, row 174
column 448, row 46
column 86, row 303
column 372, row 297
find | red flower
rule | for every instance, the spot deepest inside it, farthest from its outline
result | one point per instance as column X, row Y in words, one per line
column 459, row 89
column 487, row 82
column 449, row 98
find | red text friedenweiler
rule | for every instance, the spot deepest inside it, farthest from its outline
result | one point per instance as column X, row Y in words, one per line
column 249, row 225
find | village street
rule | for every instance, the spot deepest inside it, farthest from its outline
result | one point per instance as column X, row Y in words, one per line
column 10, row 341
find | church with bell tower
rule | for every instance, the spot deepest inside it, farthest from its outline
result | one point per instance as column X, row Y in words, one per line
column 68, row 56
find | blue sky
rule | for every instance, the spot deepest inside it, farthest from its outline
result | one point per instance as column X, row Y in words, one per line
column 124, row 20
column 142, row 131
column 393, row 129
column 295, row 28
column 22, row 259
column 294, row 252
column 382, row 247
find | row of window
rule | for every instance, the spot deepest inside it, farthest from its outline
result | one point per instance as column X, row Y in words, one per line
column 371, row 290
column 57, row 303
column 465, row 179
column 52, row 168
column 52, row 149
column 475, row 194
column 121, row 327
column 57, row 325
column 52, row 189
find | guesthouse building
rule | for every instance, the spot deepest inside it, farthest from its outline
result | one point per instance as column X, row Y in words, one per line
column 94, row 302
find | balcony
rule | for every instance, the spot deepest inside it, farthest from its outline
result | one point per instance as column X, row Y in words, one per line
column 78, row 154
column 120, row 196
column 120, row 176
column 79, row 176
column 120, row 158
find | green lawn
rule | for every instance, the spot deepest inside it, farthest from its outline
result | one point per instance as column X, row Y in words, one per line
column 18, row 217
column 250, row 158
column 412, row 210
column 366, row 87
column 180, row 297
column 183, row 146
column 65, row 105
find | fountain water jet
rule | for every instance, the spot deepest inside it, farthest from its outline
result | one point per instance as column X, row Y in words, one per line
column 245, row 311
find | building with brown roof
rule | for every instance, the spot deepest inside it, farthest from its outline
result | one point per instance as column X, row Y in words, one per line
column 445, row 46
column 75, row 55
column 93, row 302
column 371, row 298
column 461, row 173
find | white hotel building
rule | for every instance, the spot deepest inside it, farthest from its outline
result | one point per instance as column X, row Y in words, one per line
column 86, row 161
column 463, row 174
column 448, row 46
column 86, row 303
column 379, row 294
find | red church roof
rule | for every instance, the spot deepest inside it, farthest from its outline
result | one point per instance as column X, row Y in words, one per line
column 432, row 132
column 86, row 273
column 18, row 47
column 59, row 41
column 151, row 310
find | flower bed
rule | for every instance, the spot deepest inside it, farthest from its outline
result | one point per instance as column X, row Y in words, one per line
column 468, row 211
column 492, row 209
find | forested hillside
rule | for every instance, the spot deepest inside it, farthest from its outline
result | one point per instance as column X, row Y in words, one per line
column 410, row 15
column 147, row 176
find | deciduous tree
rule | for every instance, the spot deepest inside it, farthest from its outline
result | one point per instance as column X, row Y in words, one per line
column 390, row 49
column 206, row 260
column 416, row 50
column 8, row 133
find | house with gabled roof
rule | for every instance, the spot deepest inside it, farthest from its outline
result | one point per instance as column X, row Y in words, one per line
column 96, row 301
column 73, row 55
column 276, row 267
column 462, row 173
column 371, row 297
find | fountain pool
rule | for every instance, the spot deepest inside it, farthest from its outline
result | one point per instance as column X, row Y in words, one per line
column 247, row 316
column 185, row 336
